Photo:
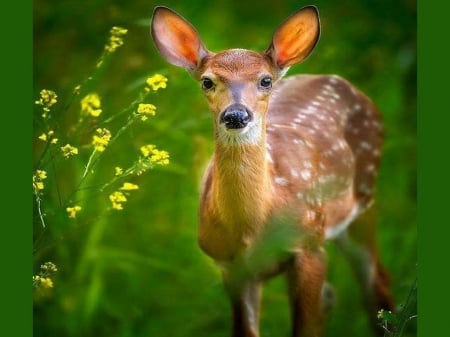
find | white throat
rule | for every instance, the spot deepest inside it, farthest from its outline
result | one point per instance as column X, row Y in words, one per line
column 250, row 135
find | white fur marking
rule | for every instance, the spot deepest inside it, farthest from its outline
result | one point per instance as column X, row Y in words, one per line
column 305, row 174
column 281, row 181
column 333, row 232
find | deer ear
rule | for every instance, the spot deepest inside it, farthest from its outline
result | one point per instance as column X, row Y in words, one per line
column 294, row 40
column 176, row 39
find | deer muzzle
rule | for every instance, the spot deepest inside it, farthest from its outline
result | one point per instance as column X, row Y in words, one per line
column 236, row 116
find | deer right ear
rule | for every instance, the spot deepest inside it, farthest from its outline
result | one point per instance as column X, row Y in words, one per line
column 295, row 39
column 176, row 39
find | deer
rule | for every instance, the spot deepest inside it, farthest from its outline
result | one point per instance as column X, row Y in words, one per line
column 295, row 158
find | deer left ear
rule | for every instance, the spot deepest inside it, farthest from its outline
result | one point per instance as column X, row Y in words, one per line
column 176, row 39
column 295, row 39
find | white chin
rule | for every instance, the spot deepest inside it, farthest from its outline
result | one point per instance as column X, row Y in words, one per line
column 237, row 131
column 251, row 134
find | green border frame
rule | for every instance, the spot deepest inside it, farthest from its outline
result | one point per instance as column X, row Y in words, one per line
column 16, row 245
column 433, row 115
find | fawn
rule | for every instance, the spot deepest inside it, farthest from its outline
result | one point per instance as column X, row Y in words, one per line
column 300, row 153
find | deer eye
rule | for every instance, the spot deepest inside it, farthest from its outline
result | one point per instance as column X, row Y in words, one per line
column 266, row 82
column 207, row 83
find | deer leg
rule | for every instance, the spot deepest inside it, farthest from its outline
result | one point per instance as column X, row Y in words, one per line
column 245, row 304
column 306, row 280
column 358, row 245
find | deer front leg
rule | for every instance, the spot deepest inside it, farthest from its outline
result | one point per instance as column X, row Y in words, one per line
column 306, row 277
column 244, row 298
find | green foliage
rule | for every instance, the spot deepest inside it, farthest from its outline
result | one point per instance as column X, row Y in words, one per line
column 396, row 324
column 138, row 271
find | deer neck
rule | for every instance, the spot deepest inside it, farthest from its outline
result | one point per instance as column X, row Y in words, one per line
column 241, row 188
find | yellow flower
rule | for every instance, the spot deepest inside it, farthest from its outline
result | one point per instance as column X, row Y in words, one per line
column 41, row 174
column 147, row 150
column 129, row 187
column 157, row 82
column 146, row 110
column 69, row 150
column 47, row 100
column 38, row 177
column 154, row 155
column 117, row 199
column 46, row 282
column 118, row 171
column 48, row 136
column 115, row 39
column 160, row 157
column 90, row 105
column 72, row 211
column 38, row 185
column 101, row 140
column 49, row 267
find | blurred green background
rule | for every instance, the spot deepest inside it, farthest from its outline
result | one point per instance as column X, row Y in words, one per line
column 140, row 272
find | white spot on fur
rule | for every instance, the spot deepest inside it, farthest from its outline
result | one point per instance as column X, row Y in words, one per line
column 370, row 168
column 310, row 215
column 365, row 145
column 336, row 96
column 357, row 107
column 305, row 174
column 320, row 98
column 321, row 117
column 333, row 79
column 281, row 181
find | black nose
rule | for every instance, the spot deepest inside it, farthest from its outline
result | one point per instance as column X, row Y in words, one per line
column 236, row 116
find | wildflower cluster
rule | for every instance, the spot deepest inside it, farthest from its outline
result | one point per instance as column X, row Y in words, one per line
column 101, row 139
column 69, row 151
column 43, row 279
column 72, row 211
column 156, row 82
column 115, row 39
column 150, row 156
column 154, row 155
column 48, row 137
column 47, row 100
column 146, row 110
column 90, row 105
column 118, row 198
column 38, row 180
column 84, row 144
